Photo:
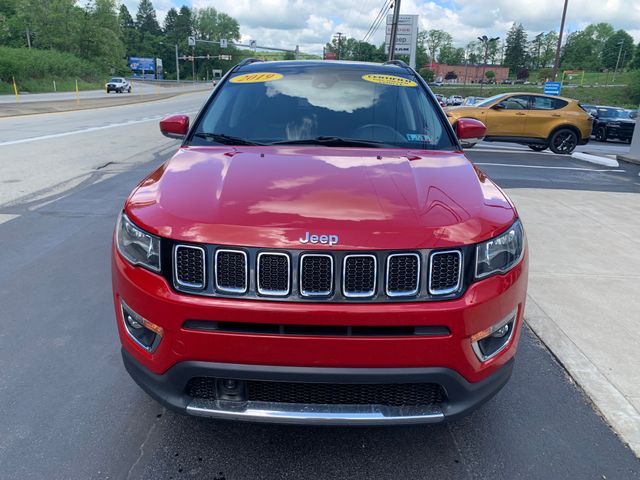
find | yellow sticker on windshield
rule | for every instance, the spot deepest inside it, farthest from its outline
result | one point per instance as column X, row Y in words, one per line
column 259, row 77
column 389, row 80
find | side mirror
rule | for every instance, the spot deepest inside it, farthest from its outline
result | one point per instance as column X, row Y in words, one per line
column 498, row 106
column 174, row 126
column 470, row 131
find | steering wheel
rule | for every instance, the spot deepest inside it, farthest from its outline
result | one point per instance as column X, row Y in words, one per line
column 381, row 133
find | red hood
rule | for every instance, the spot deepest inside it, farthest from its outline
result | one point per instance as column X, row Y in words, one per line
column 272, row 196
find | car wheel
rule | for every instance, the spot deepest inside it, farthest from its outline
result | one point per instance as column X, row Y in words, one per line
column 563, row 141
column 129, row 90
column 601, row 134
column 538, row 148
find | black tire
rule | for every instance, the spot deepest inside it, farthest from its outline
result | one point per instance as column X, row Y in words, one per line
column 129, row 90
column 538, row 148
column 601, row 134
column 563, row 141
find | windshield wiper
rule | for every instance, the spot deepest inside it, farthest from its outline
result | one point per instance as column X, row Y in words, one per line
column 225, row 139
column 332, row 141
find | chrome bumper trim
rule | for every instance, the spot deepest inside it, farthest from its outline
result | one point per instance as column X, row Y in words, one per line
column 314, row 414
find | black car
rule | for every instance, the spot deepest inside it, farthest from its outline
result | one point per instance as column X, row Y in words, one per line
column 611, row 123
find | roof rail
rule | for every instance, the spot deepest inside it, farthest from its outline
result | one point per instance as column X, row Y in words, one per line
column 248, row 61
column 398, row 63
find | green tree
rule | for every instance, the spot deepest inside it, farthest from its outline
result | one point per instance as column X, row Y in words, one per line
column 146, row 19
column 427, row 74
column 434, row 41
column 584, row 48
column 490, row 74
column 618, row 43
column 635, row 63
column 515, row 55
column 127, row 30
column 451, row 55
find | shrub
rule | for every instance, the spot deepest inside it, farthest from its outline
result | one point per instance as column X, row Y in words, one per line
column 427, row 74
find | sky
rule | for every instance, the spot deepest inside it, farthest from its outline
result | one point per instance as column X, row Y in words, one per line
column 311, row 23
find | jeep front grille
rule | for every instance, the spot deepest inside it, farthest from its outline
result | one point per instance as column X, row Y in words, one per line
column 319, row 276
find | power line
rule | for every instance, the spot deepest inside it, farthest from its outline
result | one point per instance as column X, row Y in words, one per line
column 376, row 22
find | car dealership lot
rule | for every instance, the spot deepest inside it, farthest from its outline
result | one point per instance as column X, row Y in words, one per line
column 66, row 399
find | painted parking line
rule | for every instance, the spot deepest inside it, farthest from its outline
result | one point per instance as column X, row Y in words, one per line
column 87, row 130
column 544, row 167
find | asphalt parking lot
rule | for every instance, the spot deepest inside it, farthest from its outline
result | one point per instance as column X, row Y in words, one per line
column 70, row 410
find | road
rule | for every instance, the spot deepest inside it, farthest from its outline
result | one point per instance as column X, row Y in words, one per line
column 70, row 410
column 137, row 88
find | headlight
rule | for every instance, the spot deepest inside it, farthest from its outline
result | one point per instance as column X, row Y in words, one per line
column 501, row 253
column 136, row 245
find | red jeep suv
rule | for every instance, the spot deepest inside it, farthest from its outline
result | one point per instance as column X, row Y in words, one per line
column 319, row 250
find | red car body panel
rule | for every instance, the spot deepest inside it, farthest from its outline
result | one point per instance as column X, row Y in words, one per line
column 270, row 196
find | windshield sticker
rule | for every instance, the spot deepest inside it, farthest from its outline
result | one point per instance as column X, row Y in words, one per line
column 419, row 137
column 259, row 77
column 389, row 80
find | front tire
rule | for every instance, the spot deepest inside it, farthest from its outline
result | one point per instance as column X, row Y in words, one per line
column 538, row 148
column 563, row 141
column 601, row 134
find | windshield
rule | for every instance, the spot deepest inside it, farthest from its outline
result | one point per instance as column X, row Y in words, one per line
column 490, row 100
column 613, row 113
column 115, row 80
column 301, row 103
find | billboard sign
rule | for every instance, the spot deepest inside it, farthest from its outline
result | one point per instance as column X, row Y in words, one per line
column 141, row 63
column 406, row 36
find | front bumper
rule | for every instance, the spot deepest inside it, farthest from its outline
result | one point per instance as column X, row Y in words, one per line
column 462, row 396
column 446, row 359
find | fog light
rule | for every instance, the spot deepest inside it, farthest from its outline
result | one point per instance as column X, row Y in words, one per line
column 142, row 331
column 488, row 343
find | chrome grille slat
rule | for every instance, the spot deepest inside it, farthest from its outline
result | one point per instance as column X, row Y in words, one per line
column 273, row 273
column 320, row 285
column 403, row 274
column 189, row 266
column 359, row 272
column 445, row 272
column 231, row 271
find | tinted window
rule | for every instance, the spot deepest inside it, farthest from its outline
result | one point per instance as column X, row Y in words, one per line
column 115, row 80
column 310, row 101
column 546, row 103
column 612, row 113
column 490, row 100
column 517, row 102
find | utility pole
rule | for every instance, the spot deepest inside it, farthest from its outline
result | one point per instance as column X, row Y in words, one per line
column 177, row 66
column 394, row 29
column 556, row 63
column 339, row 35
column 193, row 64
column 613, row 82
column 28, row 38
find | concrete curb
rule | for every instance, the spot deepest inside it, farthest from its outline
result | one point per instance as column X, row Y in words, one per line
column 635, row 159
column 612, row 404
column 598, row 160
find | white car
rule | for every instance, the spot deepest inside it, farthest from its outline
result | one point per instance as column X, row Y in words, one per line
column 118, row 85
column 454, row 100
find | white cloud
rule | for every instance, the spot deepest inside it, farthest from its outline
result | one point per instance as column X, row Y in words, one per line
column 310, row 23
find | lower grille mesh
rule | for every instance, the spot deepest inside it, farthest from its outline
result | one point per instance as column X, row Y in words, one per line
column 393, row 395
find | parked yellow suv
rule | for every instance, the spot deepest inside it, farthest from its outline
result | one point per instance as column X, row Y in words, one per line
column 539, row 121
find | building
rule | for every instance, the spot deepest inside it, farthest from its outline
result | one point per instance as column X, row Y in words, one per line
column 472, row 73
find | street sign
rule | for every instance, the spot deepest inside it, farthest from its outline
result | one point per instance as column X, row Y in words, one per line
column 406, row 36
column 223, row 43
column 217, row 73
column 192, row 41
column 552, row 88
column 253, row 44
column 224, row 57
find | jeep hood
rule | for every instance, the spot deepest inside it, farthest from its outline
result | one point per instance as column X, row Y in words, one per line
column 272, row 196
